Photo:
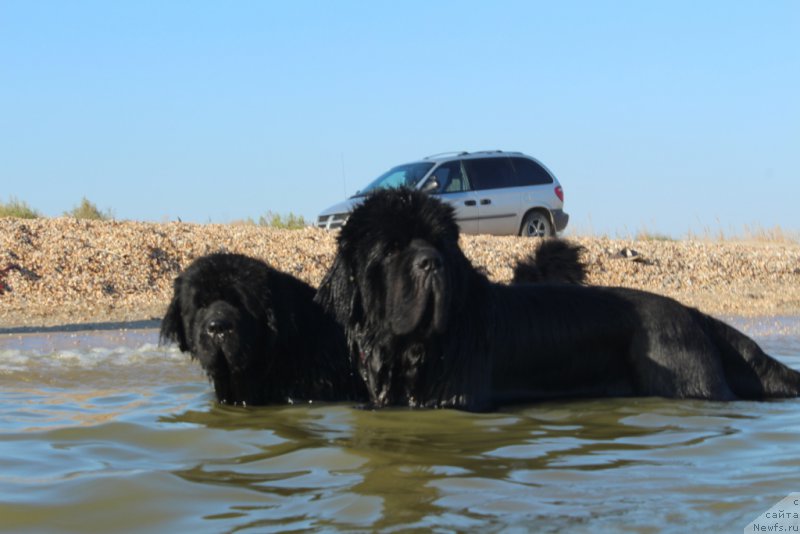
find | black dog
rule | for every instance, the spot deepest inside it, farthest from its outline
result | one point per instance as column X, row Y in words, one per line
column 428, row 329
column 554, row 260
column 258, row 333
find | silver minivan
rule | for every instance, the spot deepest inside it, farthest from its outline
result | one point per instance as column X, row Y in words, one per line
column 493, row 192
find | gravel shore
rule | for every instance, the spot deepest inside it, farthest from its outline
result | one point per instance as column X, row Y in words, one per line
column 62, row 271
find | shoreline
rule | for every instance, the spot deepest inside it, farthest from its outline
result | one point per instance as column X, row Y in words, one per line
column 786, row 324
column 77, row 328
column 75, row 272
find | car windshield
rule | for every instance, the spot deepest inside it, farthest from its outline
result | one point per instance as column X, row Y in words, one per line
column 409, row 175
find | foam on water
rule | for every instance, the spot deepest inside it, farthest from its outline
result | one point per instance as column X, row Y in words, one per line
column 85, row 350
column 59, row 365
column 91, row 349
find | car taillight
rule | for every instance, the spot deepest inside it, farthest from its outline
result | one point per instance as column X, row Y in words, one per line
column 560, row 193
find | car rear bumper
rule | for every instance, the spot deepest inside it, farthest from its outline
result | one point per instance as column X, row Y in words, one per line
column 560, row 219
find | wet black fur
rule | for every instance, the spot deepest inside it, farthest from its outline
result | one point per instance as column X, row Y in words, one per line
column 258, row 334
column 429, row 330
column 554, row 260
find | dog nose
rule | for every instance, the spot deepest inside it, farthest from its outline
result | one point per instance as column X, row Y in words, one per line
column 428, row 261
column 217, row 327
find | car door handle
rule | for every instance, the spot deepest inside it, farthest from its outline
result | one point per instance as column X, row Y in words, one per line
column 470, row 203
column 486, row 201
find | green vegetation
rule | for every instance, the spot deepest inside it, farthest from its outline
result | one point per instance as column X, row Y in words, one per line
column 17, row 208
column 752, row 233
column 747, row 233
column 87, row 210
column 289, row 222
column 644, row 235
column 755, row 233
column 276, row 220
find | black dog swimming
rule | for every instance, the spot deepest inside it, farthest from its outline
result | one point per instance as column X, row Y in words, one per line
column 258, row 334
column 427, row 329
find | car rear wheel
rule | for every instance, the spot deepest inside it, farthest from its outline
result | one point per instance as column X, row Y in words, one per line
column 536, row 224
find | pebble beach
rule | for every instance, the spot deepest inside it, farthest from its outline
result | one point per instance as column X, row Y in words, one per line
column 69, row 271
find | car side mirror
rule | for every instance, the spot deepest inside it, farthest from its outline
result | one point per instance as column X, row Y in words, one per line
column 431, row 185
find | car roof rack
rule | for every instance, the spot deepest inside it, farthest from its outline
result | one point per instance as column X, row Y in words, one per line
column 494, row 152
column 476, row 153
column 452, row 153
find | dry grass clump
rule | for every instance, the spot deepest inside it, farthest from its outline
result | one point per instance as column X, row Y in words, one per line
column 88, row 210
column 17, row 208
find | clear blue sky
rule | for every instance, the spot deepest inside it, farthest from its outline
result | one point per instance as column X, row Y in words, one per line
column 657, row 115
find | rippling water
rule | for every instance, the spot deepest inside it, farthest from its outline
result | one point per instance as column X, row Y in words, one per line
column 106, row 431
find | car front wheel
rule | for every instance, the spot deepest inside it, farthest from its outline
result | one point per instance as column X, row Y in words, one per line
column 536, row 224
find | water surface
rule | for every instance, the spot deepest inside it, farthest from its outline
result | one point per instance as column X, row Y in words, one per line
column 105, row 431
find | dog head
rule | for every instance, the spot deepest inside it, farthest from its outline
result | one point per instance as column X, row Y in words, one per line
column 396, row 280
column 397, row 264
column 220, row 313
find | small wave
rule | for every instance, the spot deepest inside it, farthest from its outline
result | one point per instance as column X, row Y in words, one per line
column 86, row 350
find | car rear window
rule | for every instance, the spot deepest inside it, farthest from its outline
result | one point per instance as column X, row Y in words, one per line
column 496, row 173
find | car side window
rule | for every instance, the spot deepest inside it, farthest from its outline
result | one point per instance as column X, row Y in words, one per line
column 451, row 178
column 528, row 172
column 490, row 173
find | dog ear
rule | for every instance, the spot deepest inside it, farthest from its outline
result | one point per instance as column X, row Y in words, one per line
column 339, row 294
column 262, row 305
column 172, row 323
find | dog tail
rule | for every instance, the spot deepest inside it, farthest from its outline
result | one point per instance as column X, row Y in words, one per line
column 554, row 260
column 750, row 372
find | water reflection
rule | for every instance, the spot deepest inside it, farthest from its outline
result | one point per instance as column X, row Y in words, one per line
column 557, row 464
column 129, row 439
